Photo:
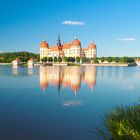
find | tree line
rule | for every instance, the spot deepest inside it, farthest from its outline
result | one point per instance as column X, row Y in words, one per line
column 90, row 60
column 60, row 59
column 124, row 59
column 8, row 57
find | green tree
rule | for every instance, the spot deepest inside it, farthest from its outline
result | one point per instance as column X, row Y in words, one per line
column 24, row 56
column 88, row 60
column 116, row 59
column 65, row 59
column 44, row 59
column 55, row 59
column 102, row 59
column 125, row 59
column 73, row 59
column 37, row 58
column 96, row 60
column 83, row 60
column 78, row 59
column 59, row 59
column 109, row 59
column 50, row 59
column 130, row 60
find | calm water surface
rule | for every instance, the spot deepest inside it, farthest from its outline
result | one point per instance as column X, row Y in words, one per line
column 62, row 103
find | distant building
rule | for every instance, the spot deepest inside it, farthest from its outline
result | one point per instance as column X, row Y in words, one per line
column 73, row 49
column 137, row 62
column 31, row 62
column 16, row 62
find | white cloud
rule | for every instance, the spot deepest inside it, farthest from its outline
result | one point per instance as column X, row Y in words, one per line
column 69, row 22
column 127, row 39
column 70, row 103
column 129, row 87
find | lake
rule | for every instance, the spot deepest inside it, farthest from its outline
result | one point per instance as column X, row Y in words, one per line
column 62, row 103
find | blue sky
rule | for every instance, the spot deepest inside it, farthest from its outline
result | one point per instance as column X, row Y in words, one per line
column 114, row 25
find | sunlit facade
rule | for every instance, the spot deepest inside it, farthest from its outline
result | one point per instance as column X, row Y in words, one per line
column 73, row 49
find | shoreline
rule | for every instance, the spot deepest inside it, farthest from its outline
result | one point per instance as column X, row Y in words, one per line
column 76, row 64
column 106, row 64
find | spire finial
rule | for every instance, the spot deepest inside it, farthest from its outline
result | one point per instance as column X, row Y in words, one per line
column 58, row 36
column 92, row 41
column 44, row 38
column 76, row 37
column 58, row 40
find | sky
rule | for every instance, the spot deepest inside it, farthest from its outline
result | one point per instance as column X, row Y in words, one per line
column 114, row 25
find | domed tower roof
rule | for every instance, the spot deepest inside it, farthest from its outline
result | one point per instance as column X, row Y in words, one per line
column 44, row 44
column 76, row 42
column 92, row 45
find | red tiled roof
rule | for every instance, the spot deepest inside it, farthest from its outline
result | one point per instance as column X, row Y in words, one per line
column 56, row 48
column 67, row 46
column 92, row 45
column 76, row 42
column 44, row 44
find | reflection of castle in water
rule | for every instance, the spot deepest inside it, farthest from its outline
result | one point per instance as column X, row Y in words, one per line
column 67, row 77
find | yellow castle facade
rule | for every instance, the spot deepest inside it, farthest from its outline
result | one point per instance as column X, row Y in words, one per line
column 73, row 49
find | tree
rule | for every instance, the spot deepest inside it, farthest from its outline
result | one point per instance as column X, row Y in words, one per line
column 130, row 60
column 116, row 59
column 78, row 59
column 102, row 59
column 71, row 59
column 37, row 58
column 8, row 57
column 44, row 59
column 65, row 59
column 125, row 59
column 83, row 60
column 59, row 59
column 88, row 60
column 55, row 59
column 50, row 59
column 109, row 59
column 96, row 60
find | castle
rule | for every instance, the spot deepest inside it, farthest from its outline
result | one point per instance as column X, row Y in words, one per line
column 73, row 49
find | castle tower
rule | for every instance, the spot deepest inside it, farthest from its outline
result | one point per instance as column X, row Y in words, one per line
column 76, row 48
column 44, row 48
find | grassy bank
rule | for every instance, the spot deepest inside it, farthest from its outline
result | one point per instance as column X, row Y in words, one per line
column 74, row 64
column 123, row 123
